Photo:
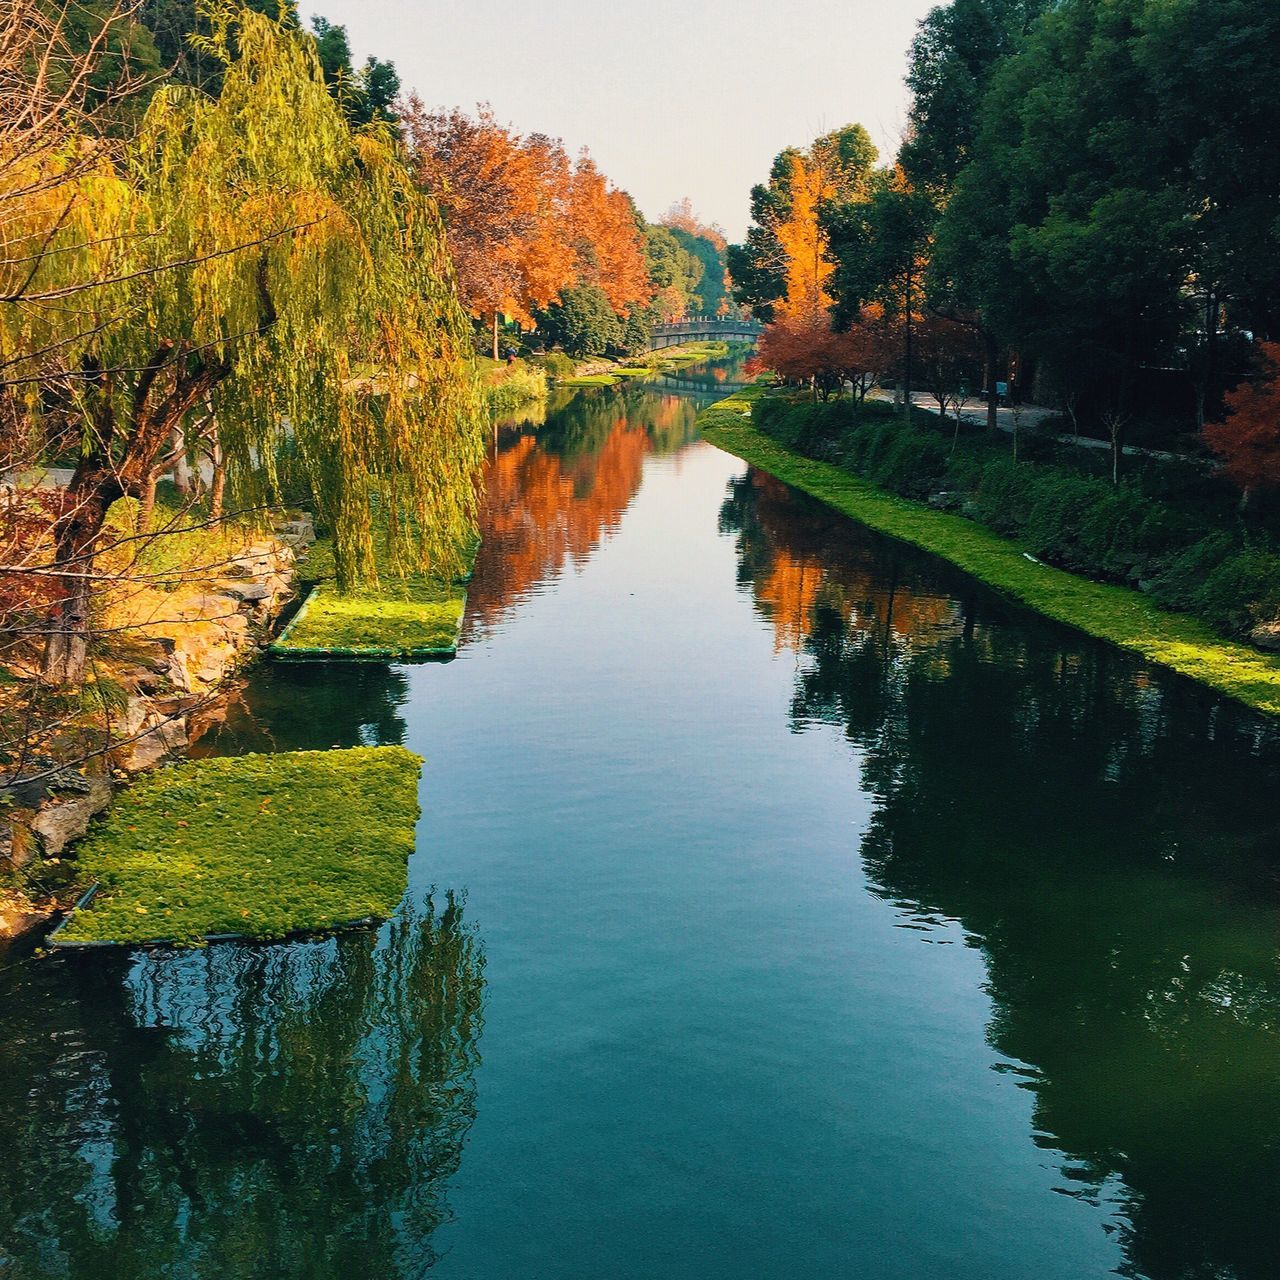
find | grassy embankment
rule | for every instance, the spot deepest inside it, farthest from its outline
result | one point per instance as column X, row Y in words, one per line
column 1122, row 616
column 657, row 362
column 257, row 846
column 414, row 617
column 508, row 388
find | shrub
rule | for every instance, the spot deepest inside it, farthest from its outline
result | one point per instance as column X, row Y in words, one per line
column 557, row 366
column 1242, row 590
column 515, row 388
column 1175, row 587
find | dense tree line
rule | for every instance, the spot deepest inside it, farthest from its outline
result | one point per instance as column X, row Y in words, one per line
column 547, row 243
column 1093, row 189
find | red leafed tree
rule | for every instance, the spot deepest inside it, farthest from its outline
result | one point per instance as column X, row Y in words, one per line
column 803, row 349
column 506, row 204
column 1248, row 440
column 950, row 356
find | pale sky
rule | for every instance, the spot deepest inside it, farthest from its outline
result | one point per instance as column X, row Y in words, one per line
column 692, row 98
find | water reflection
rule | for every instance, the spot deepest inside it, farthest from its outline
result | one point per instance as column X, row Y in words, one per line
column 302, row 706
column 283, row 1111
column 554, row 495
column 1107, row 837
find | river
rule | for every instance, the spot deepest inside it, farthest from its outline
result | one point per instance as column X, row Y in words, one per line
column 785, row 905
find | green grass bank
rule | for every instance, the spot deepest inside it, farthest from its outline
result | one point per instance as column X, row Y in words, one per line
column 1124, row 617
column 657, row 362
column 257, row 846
column 418, row 617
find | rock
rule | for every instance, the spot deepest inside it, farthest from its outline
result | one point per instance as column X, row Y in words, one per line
column 297, row 532
column 58, row 822
column 246, row 592
column 20, row 919
column 166, row 738
column 17, row 840
column 1266, row 635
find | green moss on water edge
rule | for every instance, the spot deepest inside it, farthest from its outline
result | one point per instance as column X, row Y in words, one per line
column 1124, row 617
column 260, row 846
column 415, row 617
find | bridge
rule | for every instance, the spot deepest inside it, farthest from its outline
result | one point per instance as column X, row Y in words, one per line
column 703, row 329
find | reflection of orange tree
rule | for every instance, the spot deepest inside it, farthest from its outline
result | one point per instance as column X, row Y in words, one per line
column 542, row 510
column 796, row 557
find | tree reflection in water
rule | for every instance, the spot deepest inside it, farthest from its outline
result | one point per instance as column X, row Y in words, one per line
column 288, row 1111
column 552, row 498
column 1106, row 836
column 311, row 706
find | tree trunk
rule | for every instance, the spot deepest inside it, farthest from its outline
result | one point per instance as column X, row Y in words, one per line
column 218, row 485
column 92, row 491
column 495, row 335
column 907, row 370
column 146, row 504
column 993, row 396
column 181, row 468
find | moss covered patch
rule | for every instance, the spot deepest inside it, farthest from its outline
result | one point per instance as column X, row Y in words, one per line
column 416, row 617
column 260, row 846
column 1126, row 618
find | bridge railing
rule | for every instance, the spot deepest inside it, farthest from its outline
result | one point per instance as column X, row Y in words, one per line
column 708, row 324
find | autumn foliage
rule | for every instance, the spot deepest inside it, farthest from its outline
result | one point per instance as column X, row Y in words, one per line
column 1248, row 441
column 525, row 223
column 805, row 349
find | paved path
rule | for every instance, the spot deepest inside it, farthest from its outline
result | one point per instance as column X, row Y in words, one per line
column 1033, row 415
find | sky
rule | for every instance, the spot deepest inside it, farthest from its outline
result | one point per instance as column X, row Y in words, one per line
column 673, row 99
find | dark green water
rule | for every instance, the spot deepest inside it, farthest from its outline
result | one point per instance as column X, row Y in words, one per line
column 785, row 905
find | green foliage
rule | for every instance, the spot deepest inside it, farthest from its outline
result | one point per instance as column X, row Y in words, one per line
column 709, row 291
column 583, row 323
column 558, row 366
column 419, row 616
column 308, row 250
column 365, row 95
column 1126, row 618
column 509, row 389
column 1241, row 591
column 259, row 845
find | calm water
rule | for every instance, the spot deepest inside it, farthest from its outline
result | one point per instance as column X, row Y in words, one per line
column 785, row 905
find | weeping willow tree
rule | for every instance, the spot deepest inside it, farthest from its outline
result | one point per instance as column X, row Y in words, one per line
column 255, row 259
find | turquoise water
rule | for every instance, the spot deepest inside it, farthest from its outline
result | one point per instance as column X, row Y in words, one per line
column 785, row 905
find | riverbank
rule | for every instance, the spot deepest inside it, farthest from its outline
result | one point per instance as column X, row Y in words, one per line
column 172, row 646
column 1124, row 617
column 609, row 373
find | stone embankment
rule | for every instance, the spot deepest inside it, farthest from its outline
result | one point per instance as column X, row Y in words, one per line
column 173, row 665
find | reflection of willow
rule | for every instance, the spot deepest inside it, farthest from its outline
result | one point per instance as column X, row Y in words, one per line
column 795, row 554
column 551, row 500
column 1109, row 840
column 248, row 1111
column 311, row 706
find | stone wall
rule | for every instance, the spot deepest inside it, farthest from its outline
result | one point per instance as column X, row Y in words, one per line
column 174, row 667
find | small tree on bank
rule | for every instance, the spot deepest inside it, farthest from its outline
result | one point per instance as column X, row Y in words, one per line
column 1248, row 440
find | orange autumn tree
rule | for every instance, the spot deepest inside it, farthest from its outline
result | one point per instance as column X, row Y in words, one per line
column 506, row 203
column 608, row 239
column 803, row 241
column 1248, row 440
column 800, row 344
